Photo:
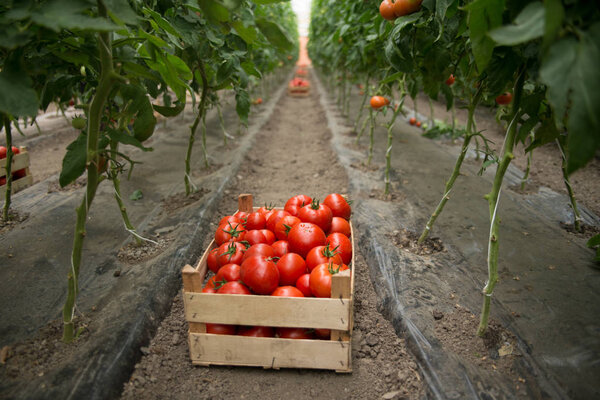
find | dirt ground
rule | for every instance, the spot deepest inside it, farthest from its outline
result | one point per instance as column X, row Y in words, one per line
column 291, row 156
column 546, row 162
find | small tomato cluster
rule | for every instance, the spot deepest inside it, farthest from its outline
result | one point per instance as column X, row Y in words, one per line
column 290, row 252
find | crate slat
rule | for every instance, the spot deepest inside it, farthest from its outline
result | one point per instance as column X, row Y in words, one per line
column 235, row 309
column 208, row 349
column 19, row 161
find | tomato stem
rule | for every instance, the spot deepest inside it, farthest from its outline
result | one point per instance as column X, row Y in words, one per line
column 493, row 196
column 576, row 215
column 105, row 85
column 199, row 115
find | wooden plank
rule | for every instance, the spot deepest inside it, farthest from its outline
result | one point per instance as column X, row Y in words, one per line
column 269, row 352
column 192, row 282
column 340, row 289
column 245, row 203
column 302, row 312
column 17, row 185
column 19, row 161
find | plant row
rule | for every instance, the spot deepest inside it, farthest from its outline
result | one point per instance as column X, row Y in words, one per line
column 535, row 60
column 123, row 63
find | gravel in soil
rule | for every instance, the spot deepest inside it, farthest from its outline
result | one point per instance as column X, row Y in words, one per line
column 14, row 219
column 291, row 156
column 408, row 240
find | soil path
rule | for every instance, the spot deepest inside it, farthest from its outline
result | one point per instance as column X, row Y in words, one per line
column 292, row 155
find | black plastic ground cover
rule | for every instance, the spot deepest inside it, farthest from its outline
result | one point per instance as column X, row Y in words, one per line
column 131, row 310
column 410, row 287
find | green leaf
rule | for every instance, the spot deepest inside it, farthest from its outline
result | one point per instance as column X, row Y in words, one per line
column 483, row 16
column 250, row 69
column 555, row 14
column 544, row 134
column 73, row 165
column 528, row 25
column 242, row 106
column 555, row 73
column 124, row 138
column 247, row 33
column 17, row 97
column 169, row 111
column 214, row 10
column 268, row 1
column 136, row 195
column 163, row 23
column 69, row 14
column 138, row 106
column 584, row 114
column 120, row 11
column 275, row 34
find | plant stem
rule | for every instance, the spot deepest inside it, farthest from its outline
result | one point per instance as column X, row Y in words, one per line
column 529, row 159
column 492, row 198
column 105, row 85
column 114, row 176
column 362, row 104
column 188, row 157
column 456, row 172
column 372, row 118
column 204, row 153
column 388, row 152
column 576, row 215
column 431, row 111
column 222, row 122
column 8, row 167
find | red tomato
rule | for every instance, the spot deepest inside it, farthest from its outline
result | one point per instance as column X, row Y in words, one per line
column 322, row 255
column 210, row 286
column 260, row 249
column 283, row 226
column 230, row 218
column 21, row 173
column 405, row 7
column 3, row 151
column 220, row 329
column 418, row 124
column 230, row 253
column 275, row 216
column 303, row 284
column 294, row 333
column 287, row 291
column 386, row 9
column 233, row 288
column 211, row 260
column 339, row 205
column 2, row 180
column 378, row 102
column 291, row 267
column 304, row 236
column 15, row 150
column 229, row 232
column 450, row 80
column 256, row 331
column 343, row 245
column 323, row 334
column 241, row 215
column 412, row 121
column 265, row 209
column 320, row 279
column 255, row 220
column 280, row 247
column 255, row 236
column 340, row 225
column 296, row 203
column 260, row 274
column 229, row 273
column 318, row 214
column 270, row 236
column 504, row 99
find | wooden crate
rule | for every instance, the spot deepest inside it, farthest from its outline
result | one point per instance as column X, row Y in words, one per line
column 298, row 91
column 19, row 161
column 335, row 313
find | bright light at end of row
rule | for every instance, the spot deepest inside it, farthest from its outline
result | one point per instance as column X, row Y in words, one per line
column 302, row 10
